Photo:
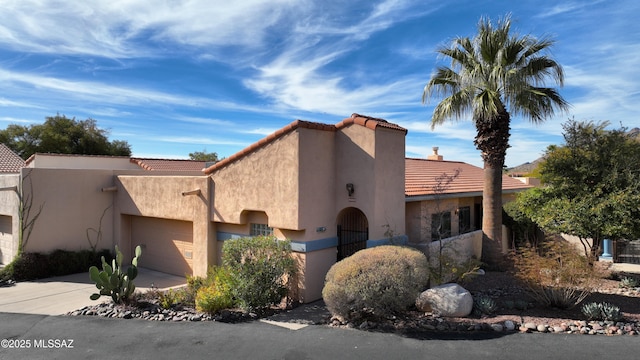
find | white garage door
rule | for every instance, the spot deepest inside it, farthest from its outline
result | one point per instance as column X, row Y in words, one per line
column 167, row 245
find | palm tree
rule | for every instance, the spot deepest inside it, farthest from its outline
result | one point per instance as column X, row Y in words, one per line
column 492, row 75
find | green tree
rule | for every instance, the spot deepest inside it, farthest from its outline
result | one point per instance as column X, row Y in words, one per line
column 61, row 135
column 493, row 75
column 204, row 156
column 591, row 186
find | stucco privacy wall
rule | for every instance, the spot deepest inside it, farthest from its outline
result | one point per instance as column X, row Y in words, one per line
column 84, row 162
column 167, row 197
column 9, row 222
column 72, row 203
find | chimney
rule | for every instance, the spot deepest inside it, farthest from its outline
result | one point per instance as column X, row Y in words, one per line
column 435, row 155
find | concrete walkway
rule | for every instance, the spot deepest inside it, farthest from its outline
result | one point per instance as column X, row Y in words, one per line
column 59, row 295
column 626, row 268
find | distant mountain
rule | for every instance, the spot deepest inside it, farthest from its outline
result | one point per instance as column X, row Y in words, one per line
column 525, row 168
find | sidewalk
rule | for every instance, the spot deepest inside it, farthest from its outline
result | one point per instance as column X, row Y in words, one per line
column 59, row 295
column 626, row 268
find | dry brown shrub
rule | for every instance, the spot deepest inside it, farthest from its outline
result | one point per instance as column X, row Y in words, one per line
column 555, row 273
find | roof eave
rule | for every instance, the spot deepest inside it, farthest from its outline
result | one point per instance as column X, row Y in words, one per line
column 432, row 197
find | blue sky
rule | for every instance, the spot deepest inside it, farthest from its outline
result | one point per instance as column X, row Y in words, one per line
column 174, row 77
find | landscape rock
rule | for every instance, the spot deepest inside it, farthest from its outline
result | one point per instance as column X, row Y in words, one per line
column 448, row 300
column 509, row 325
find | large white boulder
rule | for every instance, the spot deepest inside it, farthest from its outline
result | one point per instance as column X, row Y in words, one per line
column 449, row 300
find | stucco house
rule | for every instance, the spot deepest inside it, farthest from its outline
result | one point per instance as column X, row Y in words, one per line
column 444, row 198
column 330, row 189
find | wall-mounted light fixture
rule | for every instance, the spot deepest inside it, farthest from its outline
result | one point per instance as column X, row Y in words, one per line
column 110, row 189
column 350, row 189
column 321, row 229
column 192, row 192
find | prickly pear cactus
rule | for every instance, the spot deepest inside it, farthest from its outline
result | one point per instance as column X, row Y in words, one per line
column 113, row 280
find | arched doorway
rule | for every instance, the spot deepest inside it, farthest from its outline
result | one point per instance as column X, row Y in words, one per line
column 353, row 232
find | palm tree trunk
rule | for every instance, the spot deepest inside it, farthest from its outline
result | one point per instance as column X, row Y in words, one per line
column 492, row 240
column 493, row 140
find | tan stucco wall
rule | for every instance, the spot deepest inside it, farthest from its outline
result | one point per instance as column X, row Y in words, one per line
column 72, row 202
column 313, row 269
column 389, row 183
column 317, row 188
column 355, row 151
column 9, row 213
column 265, row 180
column 161, row 197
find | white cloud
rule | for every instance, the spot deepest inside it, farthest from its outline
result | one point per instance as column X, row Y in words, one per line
column 114, row 29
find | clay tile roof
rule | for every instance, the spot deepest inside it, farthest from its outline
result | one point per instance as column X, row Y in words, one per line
column 10, row 162
column 369, row 122
column 169, row 164
column 421, row 178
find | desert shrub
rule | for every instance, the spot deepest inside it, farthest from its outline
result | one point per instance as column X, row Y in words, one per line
column 32, row 266
column 216, row 292
column 484, row 305
column 629, row 282
column 171, row 297
column 555, row 273
column 260, row 269
column 375, row 282
column 602, row 311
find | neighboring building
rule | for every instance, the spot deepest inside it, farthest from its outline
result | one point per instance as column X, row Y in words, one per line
column 444, row 198
column 169, row 164
column 10, row 162
column 330, row 189
column 10, row 165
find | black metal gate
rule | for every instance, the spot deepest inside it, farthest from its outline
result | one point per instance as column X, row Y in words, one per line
column 627, row 251
column 353, row 232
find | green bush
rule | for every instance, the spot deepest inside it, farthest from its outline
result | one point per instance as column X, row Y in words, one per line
column 376, row 282
column 260, row 268
column 33, row 266
column 215, row 293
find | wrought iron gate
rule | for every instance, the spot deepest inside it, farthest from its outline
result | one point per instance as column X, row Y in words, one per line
column 353, row 232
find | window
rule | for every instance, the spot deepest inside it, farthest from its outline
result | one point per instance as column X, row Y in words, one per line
column 260, row 230
column 440, row 226
column 464, row 219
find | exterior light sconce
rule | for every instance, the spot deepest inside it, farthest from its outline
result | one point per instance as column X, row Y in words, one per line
column 350, row 189
column 192, row 192
column 110, row 189
column 321, row 229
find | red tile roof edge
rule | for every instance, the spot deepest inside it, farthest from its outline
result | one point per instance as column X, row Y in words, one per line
column 140, row 163
column 268, row 139
column 369, row 122
column 156, row 164
column 366, row 121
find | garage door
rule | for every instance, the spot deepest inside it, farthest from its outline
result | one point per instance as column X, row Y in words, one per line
column 167, row 245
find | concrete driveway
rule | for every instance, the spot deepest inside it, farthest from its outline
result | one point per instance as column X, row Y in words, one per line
column 59, row 295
